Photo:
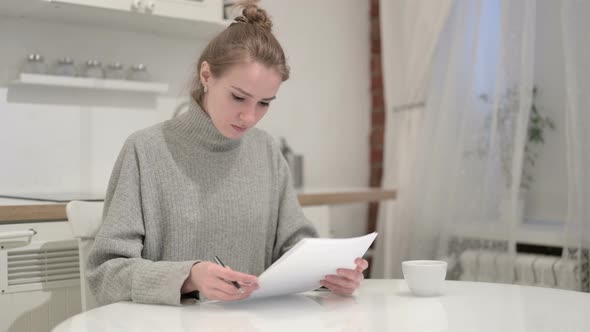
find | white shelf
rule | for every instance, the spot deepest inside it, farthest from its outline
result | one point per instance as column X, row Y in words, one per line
column 91, row 83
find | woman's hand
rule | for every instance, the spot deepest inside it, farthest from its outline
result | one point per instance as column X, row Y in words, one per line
column 214, row 282
column 346, row 281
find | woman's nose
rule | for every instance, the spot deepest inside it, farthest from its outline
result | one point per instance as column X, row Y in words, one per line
column 248, row 115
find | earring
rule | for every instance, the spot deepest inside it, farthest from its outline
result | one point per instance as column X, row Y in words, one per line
column 205, row 88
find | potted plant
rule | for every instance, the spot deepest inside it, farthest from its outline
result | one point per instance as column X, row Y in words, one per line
column 508, row 106
column 535, row 137
column 506, row 121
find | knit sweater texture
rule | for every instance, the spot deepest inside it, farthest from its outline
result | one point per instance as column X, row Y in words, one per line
column 181, row 192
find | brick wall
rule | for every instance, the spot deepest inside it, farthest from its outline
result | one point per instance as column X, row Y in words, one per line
column 377, row 112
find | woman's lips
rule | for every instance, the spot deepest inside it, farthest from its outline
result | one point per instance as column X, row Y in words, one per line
column 239, row 129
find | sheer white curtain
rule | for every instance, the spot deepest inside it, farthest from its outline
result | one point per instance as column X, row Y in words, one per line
column 410, row 30
column 457, row 161
column 575, row 29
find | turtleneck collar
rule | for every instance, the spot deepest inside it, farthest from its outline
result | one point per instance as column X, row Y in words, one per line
column 196, row 127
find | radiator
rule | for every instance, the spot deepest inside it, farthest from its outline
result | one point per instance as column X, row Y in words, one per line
column 39, row 276
column 489, row 261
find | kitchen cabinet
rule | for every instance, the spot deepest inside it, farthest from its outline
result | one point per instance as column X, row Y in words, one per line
column 124, row 5
column 195, row 10
column 200, row 19
column 186, row 9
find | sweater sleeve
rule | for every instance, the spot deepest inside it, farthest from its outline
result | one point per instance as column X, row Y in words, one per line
column 116, row 269
column 292, row 223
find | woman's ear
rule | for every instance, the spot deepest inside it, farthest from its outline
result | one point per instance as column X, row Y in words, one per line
column 205, row 72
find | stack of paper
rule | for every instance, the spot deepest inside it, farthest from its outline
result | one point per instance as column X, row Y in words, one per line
column 309, row 261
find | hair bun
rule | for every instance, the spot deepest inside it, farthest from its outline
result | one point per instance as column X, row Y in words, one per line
column 252, row 14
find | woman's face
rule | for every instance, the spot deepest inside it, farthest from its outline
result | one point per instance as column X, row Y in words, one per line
column 239, row 98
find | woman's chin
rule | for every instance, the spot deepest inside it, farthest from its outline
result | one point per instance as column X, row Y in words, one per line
column 232, row 134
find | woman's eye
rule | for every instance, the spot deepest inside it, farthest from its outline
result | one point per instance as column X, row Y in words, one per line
column 237, row 98
column 264, row 103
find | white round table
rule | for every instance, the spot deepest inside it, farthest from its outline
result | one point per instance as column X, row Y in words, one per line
column 379, row 305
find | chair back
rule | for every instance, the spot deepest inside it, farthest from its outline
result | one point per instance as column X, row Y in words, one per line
column 85, row 219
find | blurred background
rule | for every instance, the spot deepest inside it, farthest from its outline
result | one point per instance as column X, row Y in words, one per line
column 472, row 114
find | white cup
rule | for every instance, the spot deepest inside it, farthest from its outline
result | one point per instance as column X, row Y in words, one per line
column 425, row 278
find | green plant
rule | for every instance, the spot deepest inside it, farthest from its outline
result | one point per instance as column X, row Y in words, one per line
column 536, row 136
column 506, row 118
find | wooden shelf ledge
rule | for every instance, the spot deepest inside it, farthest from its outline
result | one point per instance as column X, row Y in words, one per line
column 57, row 212
column 345, row 197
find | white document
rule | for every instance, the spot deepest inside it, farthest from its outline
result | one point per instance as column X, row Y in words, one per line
column 302, row 267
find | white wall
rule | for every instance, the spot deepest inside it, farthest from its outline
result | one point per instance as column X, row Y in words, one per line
column 68, row 147
column 323, row 110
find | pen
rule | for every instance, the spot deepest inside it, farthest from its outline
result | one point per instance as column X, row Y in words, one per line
column 235, row 283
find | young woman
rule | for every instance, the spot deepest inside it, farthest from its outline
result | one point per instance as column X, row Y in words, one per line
column 206, row 184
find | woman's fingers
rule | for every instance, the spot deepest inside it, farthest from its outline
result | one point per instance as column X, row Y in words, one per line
column 217, row 282
column 346, row 281
column 336, row 288
column 353, row 275
column 231, row 275
column 361, row 264
column 225, row 287
column 230, row 288
column 343, row 282
column 218, row 289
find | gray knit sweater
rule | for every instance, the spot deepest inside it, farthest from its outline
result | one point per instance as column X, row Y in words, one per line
column 181, row 192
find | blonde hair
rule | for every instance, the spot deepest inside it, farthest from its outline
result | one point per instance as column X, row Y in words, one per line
column 249, row 38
